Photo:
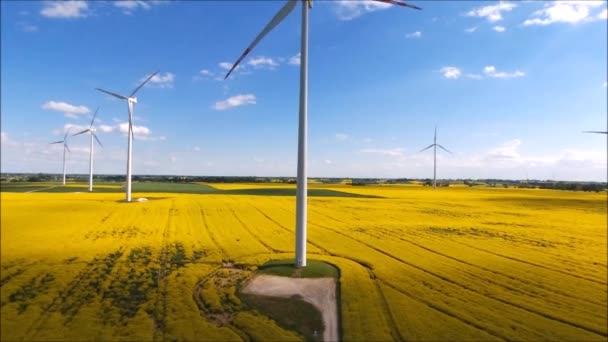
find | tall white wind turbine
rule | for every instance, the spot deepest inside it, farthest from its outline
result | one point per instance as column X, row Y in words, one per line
column 301, row 192
column 91, row 130
column 435, row 145
column 131, row 100
column 65, row 147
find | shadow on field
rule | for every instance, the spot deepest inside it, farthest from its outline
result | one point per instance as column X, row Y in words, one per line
column 184, row 188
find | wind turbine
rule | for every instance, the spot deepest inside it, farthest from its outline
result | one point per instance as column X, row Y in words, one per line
column 301, row 190
column 131, row 100
column 65, row 147
column 91, row 130
column 598, row 132
column 435, row 145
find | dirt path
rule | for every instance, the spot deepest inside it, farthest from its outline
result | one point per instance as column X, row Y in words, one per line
column 320, row 292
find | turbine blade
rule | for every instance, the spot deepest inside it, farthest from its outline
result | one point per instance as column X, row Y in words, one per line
column 94, row 115
column 143, row 83
column 79, row 133
column 426, row 148
column 99, row 142
column 65, row 137
column 283, row 12
column 399, row 3
column 56, row 142
column 113, row 94
column 445, row 149
column 67, row 148
column 598, row 132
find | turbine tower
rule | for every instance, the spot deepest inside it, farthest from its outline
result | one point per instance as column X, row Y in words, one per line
column 301, row 190
column 131, row 100
column 65, row 147
column 91, row 130
column 435, row 145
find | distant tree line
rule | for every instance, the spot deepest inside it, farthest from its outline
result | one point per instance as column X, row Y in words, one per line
column 505, row 183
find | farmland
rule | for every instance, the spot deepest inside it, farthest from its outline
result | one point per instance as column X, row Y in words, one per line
column 415, row 264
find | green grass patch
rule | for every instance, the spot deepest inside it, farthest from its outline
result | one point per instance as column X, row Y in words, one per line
column 161, row 187
column 286, row 268
column 290, row 313
column 292, row 192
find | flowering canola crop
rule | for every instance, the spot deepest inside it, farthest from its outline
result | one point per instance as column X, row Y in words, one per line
column 415, row 264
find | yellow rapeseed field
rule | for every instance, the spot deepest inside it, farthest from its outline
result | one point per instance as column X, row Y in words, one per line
column 416, row 264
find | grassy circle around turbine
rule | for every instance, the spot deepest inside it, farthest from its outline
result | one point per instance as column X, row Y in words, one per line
column 287, row 268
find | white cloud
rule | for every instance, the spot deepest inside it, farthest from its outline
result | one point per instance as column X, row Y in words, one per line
column 470, row 29
column 261, row 62
column 197, row 149
column 294, row 60
column 571, row 12
column 416, row 34
column 499, row 28
column 385, row 152
column 64, row 9
column 140, row 131
column 3, row 137
column 129, row 6
column 490, row 71
column 25, row 27
column 235, row 101
column 342, row 136
column 605, row 84
column 205, row 72
column 348, row 10
column 227, row 66
column 507, row 150
column 492, row 13
column 160, row 80
column 68, row 110
column 450, row 72
column 603, row 14
column 327, row 161
column 104, row 128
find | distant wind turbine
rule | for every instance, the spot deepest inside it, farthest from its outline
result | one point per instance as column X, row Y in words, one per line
column 65, row 147
column 301, row 192
column 91, row 130
column 598, row 132
column 131, row 100
column 435, row 145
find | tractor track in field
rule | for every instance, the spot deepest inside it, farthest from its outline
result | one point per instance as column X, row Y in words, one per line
column 211, row 234
column 327, row 252
column 161, row 291
column 533, row 264
column 255, row 236
column 488, row 279
column 395, row 333
column 470, row 289
column 527, row 262
column 446, row 312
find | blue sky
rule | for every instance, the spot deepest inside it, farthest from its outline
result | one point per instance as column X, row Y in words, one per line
column 510, row 86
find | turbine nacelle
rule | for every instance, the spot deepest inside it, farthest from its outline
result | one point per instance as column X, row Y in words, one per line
column 132, row 99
